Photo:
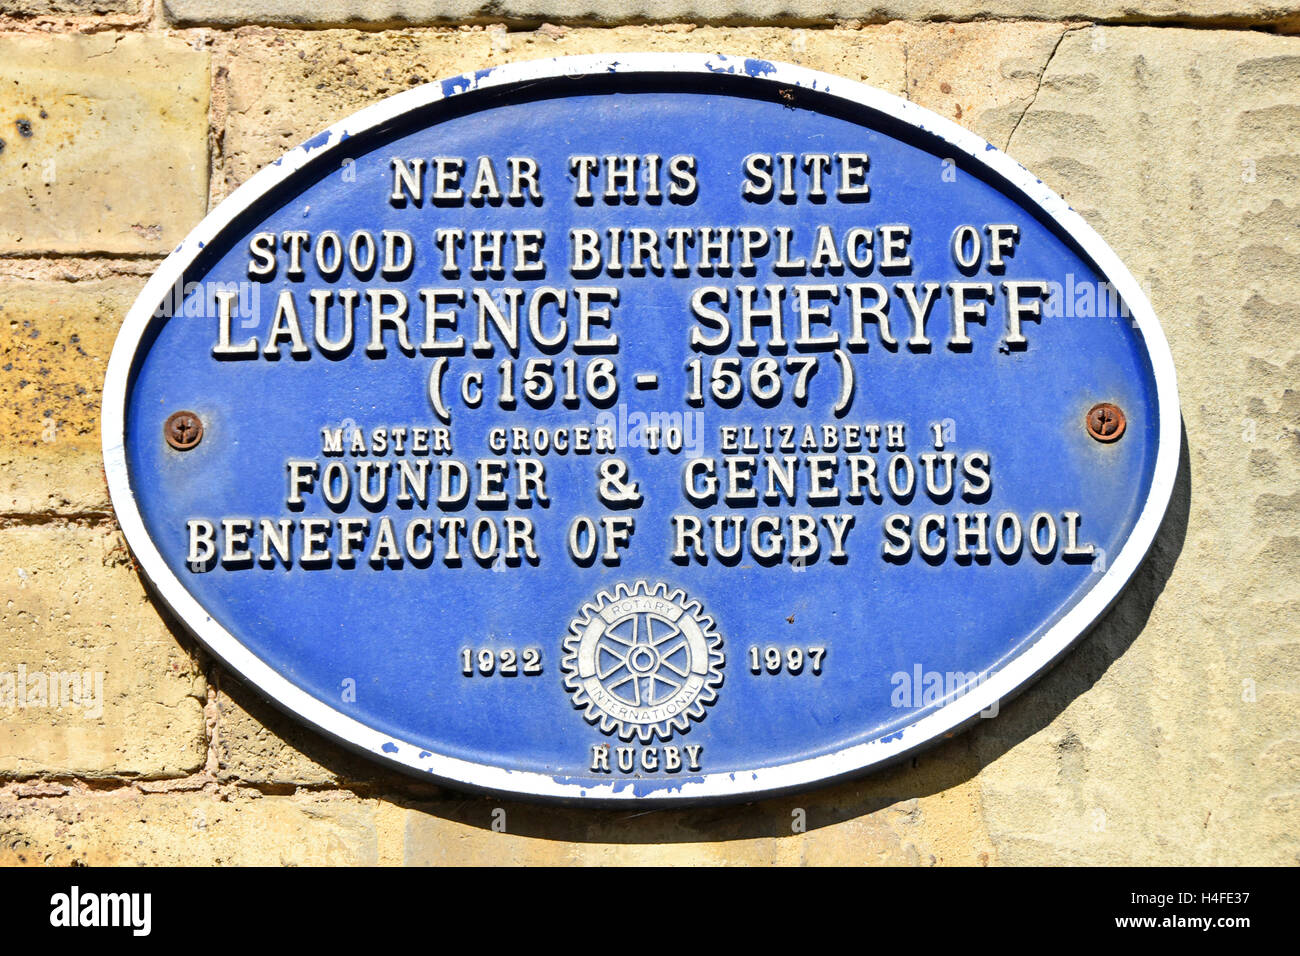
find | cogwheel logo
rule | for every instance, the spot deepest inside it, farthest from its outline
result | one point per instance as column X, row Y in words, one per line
column 643, row 661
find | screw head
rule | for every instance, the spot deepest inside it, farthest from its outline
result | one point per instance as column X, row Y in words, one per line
column 183, row 430
column 1105, row 422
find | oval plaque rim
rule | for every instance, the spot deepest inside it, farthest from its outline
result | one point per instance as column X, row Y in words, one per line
column 1027, row 190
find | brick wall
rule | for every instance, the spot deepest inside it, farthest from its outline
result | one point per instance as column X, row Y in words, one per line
column 1171, row 734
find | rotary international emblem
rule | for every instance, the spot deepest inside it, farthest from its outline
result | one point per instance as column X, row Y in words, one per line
column 643, row 661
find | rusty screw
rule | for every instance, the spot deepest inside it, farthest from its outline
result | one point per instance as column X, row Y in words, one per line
column 183, row 430
column 1106, row 422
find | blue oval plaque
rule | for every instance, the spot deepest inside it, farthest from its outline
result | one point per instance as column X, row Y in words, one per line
column 660, row 428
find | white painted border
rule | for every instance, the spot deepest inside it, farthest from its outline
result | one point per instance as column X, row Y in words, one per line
column 766, row 780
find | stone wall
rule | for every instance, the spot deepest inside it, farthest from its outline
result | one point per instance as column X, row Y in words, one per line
column 1170, row 735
